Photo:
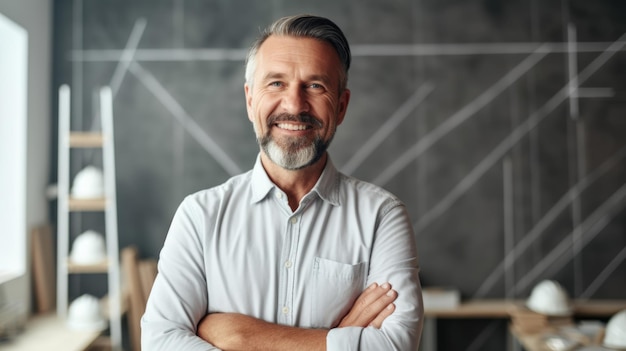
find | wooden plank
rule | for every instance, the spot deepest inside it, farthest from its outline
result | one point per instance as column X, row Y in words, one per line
column 86, row 139
column 101, row 267
column 502, row 308
column 598, row 308
column 475, row 309
column 147, row 274
column 130, row 262
column 51, row 333
column 98, row 204
column 43, row 269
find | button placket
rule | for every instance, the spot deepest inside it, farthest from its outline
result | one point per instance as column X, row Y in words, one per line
column 288, row 272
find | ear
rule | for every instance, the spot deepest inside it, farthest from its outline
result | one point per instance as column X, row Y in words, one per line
column 342, row 108
column 248, row 92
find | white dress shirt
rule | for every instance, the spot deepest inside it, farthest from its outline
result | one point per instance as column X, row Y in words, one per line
column 239, row 247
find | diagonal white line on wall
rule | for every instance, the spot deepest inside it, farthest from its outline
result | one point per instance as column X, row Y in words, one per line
column 479, row 342
column 388, row 127
column 460, row 116
column 543, row 224
column 127, row 55
column 591, row 227
column 516, row 135
column 604, row 275
column 186, row 121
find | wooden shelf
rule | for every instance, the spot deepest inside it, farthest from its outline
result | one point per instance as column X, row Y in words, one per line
column 91, row 268
column 598, row 308
column 502, row 308
column 86, row 139
column 97, row 204
column 49, row 332
column 487, row 308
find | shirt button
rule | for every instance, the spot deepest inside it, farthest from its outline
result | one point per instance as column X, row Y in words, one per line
column 279, row 195
column 288, row 264
column 294, row 220
column 285, row 310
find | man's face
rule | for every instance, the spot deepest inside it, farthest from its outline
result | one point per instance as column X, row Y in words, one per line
column 294, row 100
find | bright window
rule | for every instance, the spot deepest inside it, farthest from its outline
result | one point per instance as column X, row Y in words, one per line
column 13, row 118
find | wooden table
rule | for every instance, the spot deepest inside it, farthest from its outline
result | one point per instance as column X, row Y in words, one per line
column 501, row 309
column 48, row 332
column 582, row 309
column 469, row 309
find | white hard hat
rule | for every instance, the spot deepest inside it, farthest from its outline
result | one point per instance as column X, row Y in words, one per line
column 549, row 298
column 84, row 314
column 88, row 248
column 615, row 332
column 88, row 183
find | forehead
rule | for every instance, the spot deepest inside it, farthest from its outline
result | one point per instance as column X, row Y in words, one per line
column 277, row 51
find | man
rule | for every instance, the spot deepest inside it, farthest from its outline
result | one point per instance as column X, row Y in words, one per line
column 292, row 255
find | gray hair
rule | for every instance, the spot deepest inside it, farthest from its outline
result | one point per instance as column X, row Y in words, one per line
column 307, row 26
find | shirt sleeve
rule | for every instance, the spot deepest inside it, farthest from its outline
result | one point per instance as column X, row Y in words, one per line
column 178, row 299
column 394, row 260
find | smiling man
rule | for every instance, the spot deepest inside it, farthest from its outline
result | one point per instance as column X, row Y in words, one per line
column 292, row 255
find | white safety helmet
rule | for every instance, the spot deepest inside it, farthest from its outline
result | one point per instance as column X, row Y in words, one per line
column 84, row 314
column 88, row 183
column 615, row 332
column 549, row 298
column 88, row 248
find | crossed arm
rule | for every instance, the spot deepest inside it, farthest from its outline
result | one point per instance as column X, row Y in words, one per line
column 232, row 331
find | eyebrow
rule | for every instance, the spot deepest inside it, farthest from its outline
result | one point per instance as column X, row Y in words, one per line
column 315, row 77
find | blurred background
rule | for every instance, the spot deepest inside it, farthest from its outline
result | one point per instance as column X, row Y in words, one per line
column 501, row 124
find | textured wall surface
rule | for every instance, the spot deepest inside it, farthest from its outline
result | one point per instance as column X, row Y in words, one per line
column 501, row 124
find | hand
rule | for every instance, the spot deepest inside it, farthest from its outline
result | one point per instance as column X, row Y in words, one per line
column 371, row 308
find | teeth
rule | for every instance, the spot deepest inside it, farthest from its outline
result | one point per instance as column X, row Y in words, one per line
column 290, row 126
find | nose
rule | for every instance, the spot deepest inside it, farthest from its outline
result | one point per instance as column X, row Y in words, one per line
column 294, row 100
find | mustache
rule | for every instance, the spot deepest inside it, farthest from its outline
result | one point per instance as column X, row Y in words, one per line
column 287, row 117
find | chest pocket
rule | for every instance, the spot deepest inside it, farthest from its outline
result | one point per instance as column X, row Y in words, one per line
column 337, row 286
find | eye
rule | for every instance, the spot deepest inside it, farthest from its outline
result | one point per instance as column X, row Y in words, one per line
column 276, row 84
column 317, row 88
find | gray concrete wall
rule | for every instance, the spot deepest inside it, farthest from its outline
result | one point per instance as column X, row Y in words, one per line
column 459, row 107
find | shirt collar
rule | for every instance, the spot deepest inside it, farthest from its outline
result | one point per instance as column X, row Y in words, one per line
column 327, row 187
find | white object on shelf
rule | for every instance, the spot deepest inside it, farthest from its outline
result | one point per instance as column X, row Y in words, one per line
column 88, row 248
column 550, row 298
column 440, row 298
column 85, row 314
column 615, row 333
column 88, row 183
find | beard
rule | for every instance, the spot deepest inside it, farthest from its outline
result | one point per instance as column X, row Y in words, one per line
column 293, row 153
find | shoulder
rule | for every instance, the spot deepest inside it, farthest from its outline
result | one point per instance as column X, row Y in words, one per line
column 353, row 189
column 235, row 187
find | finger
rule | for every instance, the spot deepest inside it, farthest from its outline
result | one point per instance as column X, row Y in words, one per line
column 379, row 305
column 378, row 321
column 372, row 293
column 373, row 303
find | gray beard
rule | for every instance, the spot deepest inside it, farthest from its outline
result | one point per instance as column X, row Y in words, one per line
column 296, row 155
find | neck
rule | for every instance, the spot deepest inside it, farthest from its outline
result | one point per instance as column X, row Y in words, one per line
column 295, row 183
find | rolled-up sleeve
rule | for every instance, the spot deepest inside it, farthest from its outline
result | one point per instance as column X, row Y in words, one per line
column 393, row 260
column 178, row 300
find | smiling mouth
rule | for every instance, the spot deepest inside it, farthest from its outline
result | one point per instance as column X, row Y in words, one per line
column 294, row 127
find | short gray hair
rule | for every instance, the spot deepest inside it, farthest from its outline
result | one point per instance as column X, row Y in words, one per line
column 307, row 26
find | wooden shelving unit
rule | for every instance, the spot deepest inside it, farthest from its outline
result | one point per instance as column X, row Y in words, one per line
column 110, row 267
